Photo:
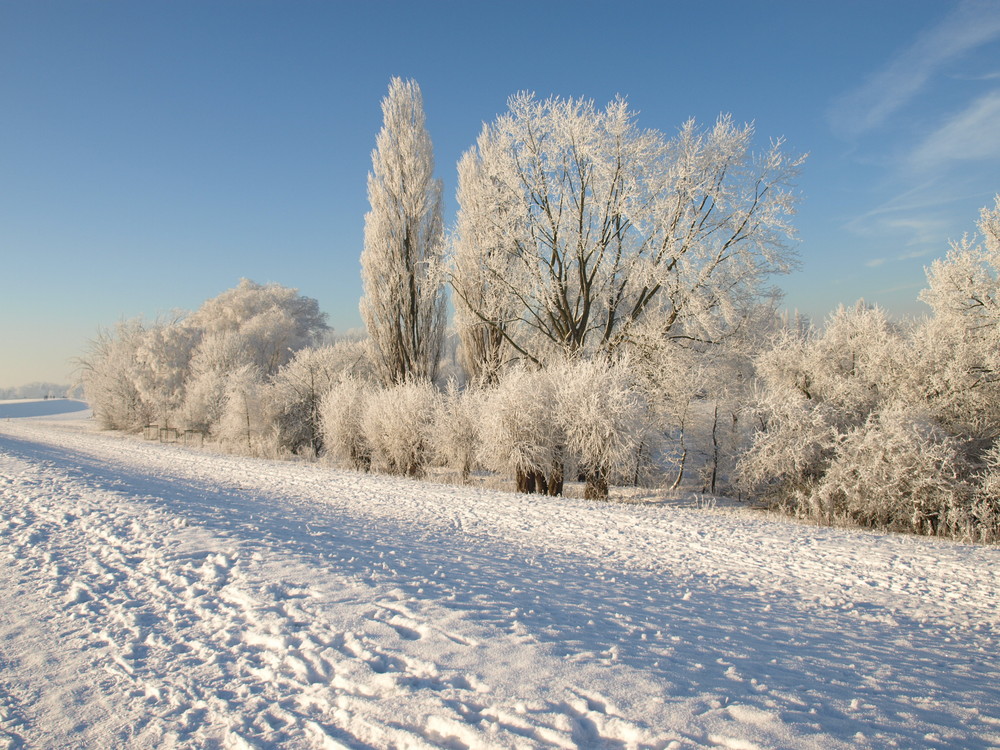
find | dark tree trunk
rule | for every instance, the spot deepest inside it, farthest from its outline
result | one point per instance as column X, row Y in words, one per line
column 597, row 485
column 555, row 483
column 525, row 481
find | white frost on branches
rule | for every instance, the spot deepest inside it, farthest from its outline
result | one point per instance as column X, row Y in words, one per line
column 404, row 303
column 577, row 230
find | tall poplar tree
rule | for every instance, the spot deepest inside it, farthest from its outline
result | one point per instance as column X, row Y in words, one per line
column 403, row 305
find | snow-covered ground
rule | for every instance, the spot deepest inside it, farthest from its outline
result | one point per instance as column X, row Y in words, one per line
column 159, row 596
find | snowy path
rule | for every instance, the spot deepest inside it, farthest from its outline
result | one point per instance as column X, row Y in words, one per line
column 162, row 597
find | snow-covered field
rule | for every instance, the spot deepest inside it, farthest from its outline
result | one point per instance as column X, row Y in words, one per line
column 158, row 596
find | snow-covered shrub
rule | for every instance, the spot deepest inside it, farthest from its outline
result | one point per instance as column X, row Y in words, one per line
column 899, row 471
column 108, row 374
column 676, row 381
column 605, row 420
column 456, row 429
column 248, row 423
column 341, row 413
column 791, row 452
column 812, row 390
column 300, row 386
column 217, row 355
column 397, row 423
column 521, row 436
column 985, row 510
column 163, row 356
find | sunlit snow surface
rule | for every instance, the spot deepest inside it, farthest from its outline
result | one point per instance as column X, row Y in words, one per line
column 158, row 596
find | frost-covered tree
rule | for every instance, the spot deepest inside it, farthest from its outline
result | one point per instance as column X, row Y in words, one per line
column 248, row 418
column 216, row 357
column 163, row 358
column 601, row 231
column 107, row 371
column 605, row 419
column 271, row 323
column 519, row 437
column 341, row 414
column 813, row 388
column 403, row 304
column 297, row 390
column 485, row 238
column 963, row 335
column 397, row 423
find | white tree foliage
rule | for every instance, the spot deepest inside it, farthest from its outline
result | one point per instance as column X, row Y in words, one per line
column 107, row 371
column 270, row 322
column 963, row 335
column 162, row 366
column 297, row 391
column 404, row 303
column 580, row 231
column 248, row 424
column 519, row 436
column 341, row 414
column 812, row 390
column 397, row 423
column 456, row 429
column 900, row 470
column 605, row 418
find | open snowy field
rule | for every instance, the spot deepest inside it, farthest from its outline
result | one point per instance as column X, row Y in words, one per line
column 158, row 596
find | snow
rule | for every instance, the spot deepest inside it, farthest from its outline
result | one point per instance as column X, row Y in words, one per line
column 160, row 596
column 59, row 408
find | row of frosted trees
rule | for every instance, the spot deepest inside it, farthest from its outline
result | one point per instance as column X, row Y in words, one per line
column 585, row 249
column 613, row 323
column 891, row 424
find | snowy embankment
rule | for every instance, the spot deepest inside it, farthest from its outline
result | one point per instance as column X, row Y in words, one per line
column 156, row 596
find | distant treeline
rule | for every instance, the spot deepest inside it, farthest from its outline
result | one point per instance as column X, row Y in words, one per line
column 36, row 390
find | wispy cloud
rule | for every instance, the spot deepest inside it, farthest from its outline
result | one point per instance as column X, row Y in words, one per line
column 970, row 25
column 913, row 255
column 914, row 215
column 971, row 134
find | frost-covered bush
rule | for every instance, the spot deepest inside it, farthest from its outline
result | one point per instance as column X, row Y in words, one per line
column 162, row 361
column 341, row 414
column 397, row 423
column 984, row 513
column 899, row 471
column 217, row 356
column 455, row 432
column 792, row 451
column 889, row 425
column 108, row 374
column 248, row 422
column 677, row 381
column 297, row 390
column 812, row 390
column 521, row 436
column 605, row 420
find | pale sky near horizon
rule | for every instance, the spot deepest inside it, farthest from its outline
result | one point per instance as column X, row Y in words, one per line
column 152, row 154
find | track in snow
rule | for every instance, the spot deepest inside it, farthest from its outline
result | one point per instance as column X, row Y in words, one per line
column 166, row 597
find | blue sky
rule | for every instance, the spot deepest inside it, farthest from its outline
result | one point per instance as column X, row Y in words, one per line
column 153, row 153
